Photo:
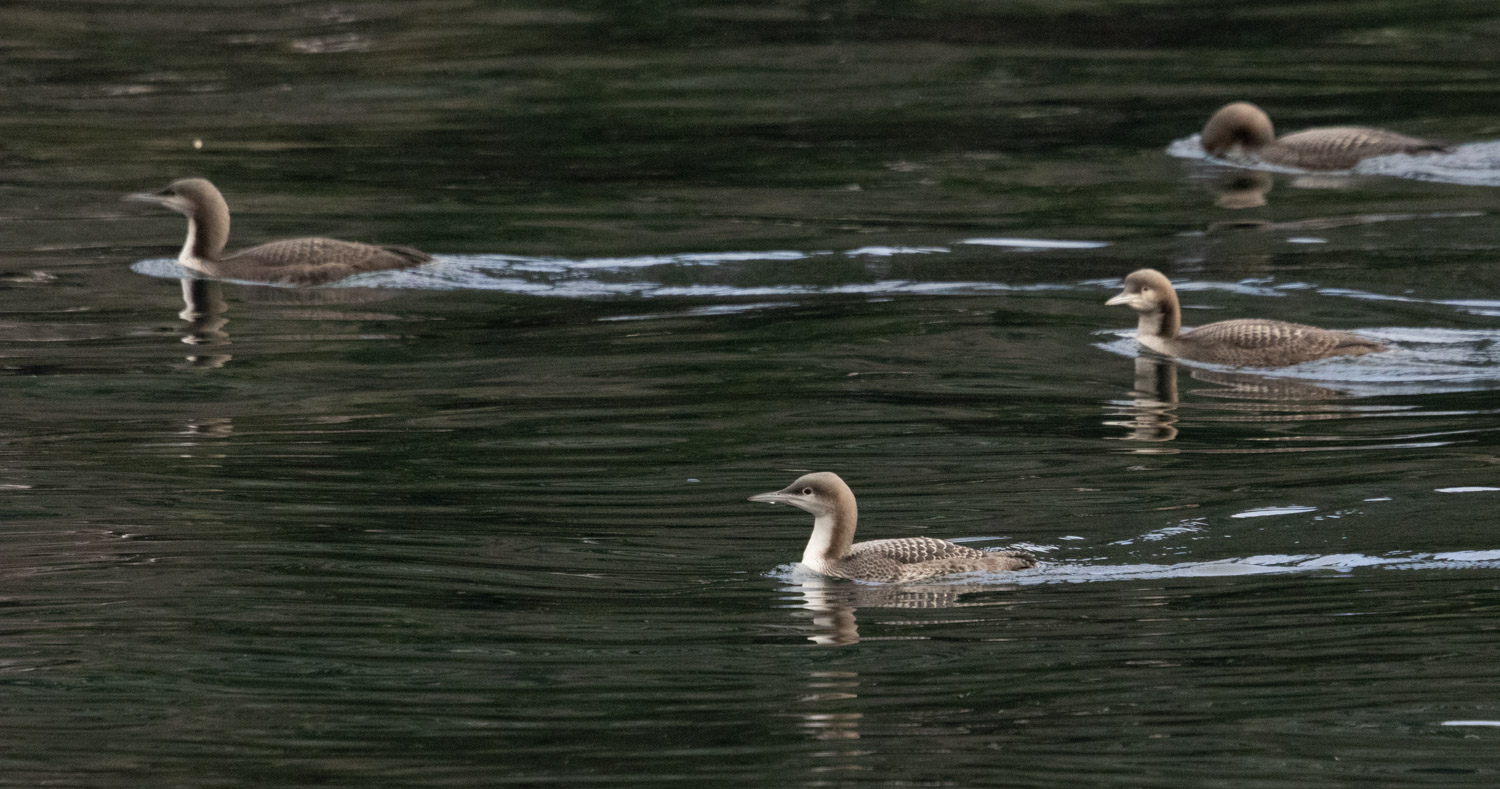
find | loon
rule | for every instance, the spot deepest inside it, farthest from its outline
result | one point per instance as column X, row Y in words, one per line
column 1243, row 129
column 296, row 261
column 1240, row 343
column 833, row 552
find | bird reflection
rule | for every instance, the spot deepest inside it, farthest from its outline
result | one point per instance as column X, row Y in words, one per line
column 208, row 427
column 1238, row 190
column 1242, row 189
column 1248, row 386
column 204, row 310
column 829, row 710
column 832, row 607
column 833, row 603
column 313, row 297
column 1151, row 413
column 834, row 689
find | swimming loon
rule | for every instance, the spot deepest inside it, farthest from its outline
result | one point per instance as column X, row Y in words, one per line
column 296, row 261
column 1242, row 343
column 833, row 552
column 1242, row 129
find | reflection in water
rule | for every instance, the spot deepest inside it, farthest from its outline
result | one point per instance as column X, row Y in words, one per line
column 1242, row 189
column 828, row 688
column 204, row 310
column 1151, row 413
column 831, row 709
column 207, row 427
column 832, row 610
column 1322, row 223
column 835, row 602
column 830, row 713
column 1249, row 386
column 307, row 297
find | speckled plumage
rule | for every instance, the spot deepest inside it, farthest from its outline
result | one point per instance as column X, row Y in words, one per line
column 1342, row 147
column 1249, row 342
column 1254, row 342
column 832, row 551
column 314, row 261
column 297, row 261
column 915, row 558
column 1243, row 129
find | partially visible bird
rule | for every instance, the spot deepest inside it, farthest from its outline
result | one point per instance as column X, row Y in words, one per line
column 1241, row 130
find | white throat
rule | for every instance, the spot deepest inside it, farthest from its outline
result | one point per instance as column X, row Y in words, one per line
column 815, row 556
column 1148, row 333
column 186, row 256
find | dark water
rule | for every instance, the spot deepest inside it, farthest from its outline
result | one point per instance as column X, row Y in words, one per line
column 483, row 523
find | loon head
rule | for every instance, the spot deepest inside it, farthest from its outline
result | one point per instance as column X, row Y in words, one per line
column 207, row 213
column 1146, row 290
column 191, row 197
column 821, row 493
column 1237, row 127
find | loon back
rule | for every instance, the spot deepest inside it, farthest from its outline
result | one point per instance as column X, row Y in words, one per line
column 1255, row 342
column 314, row 261
column 916, row 558
column 1342, row 147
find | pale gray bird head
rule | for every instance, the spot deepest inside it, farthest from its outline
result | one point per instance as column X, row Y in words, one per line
column 1240, row 127
column 1145, row 290
column 819, row 493
column 186, row 196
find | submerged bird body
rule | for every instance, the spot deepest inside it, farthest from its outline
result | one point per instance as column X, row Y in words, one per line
column 1242, row 129
column 1249, row 342
column 297, row 261
column 832, row 551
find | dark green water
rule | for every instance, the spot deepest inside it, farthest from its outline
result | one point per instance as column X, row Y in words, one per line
column 484, row 523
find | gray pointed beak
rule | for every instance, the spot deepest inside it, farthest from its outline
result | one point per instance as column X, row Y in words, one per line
column 1123, row 298
column 144, row 197
column 778, row 497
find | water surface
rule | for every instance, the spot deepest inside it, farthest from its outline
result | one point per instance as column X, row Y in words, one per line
column 484, row 522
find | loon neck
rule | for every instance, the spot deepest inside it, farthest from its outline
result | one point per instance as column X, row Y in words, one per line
column 1165, row 323
column 195, row 252
column 833, row 534
column 208, row 232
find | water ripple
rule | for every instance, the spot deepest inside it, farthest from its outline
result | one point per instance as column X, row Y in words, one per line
column 1075, row 571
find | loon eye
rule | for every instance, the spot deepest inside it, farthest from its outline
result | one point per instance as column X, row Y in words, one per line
column 807, row 491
